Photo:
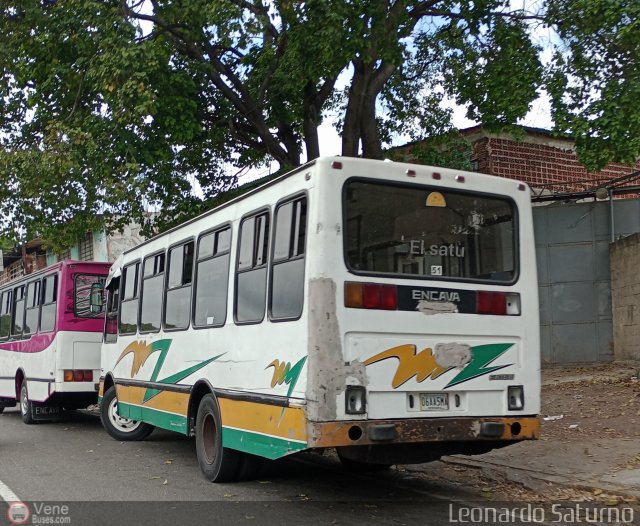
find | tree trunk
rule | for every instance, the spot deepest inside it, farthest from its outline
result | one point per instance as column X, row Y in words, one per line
column 360, row 118
column 311, row 120
column 352, row 119
column 371, row 144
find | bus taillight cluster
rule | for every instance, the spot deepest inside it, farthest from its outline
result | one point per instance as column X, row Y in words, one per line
column 71, row 375
column 371, row 296
column 377, row 296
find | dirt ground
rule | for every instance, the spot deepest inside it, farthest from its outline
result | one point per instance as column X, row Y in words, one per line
column 607, row 404
column 587, row 402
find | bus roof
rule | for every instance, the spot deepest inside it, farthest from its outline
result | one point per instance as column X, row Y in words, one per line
column 252, row 190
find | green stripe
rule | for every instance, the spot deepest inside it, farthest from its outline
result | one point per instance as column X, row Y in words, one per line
column 258, row 444
column 169, row 421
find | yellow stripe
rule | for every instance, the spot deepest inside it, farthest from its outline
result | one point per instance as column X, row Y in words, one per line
column 264, row 418
column 170, row 401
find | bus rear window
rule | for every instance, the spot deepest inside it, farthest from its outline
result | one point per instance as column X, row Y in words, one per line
column 82, row 295
column 428, row 232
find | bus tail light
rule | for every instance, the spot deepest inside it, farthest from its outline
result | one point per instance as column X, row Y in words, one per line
column 498, row 303
column 515, row 397
column 71, row 375
column 370, row 296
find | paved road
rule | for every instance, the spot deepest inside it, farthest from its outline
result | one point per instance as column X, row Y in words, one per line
column 75, row 460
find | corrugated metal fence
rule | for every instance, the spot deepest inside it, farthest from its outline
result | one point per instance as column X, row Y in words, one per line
column 572, row 246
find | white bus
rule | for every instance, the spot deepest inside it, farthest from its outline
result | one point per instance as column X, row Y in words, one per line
column 387, row 310
column 50, row 339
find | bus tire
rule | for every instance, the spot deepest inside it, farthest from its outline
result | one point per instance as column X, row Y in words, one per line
column 120, row 428
column 1, row 410
column 26, row 405
column 218, row 463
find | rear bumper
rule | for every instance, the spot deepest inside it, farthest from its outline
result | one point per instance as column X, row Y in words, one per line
column 422, row 430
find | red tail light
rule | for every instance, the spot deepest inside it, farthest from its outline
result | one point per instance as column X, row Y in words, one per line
column 389, row 297
column 370, row 296
column 78, row 376
column 88, row 376
column 491, row 303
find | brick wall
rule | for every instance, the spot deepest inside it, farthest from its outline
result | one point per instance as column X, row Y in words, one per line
column 625, row 297
column 540, row 161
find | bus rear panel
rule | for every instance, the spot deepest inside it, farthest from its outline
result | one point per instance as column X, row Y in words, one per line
column 423, row 335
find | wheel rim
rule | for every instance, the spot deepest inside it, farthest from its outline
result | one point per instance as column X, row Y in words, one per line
column 125, row 425
column 24, row 401
column 209, row 438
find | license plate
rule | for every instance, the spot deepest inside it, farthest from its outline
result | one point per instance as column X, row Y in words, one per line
column 434, row 401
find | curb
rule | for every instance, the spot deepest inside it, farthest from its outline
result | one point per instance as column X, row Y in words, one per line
column 538, row 480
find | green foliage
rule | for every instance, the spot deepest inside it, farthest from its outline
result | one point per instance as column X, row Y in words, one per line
column 594, row 78
column 109, row 109
column 450, row 150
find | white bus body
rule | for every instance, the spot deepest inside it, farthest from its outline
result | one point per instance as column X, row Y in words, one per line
column 384, row 309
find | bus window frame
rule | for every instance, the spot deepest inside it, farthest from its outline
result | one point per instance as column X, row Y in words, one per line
column 165, row 284
column 7, row 291
column 38, row 284
column 110, row 295
column 56, row 277
column 121, row 298
column 219, row 228
column 272, row 263
column 75, row 279
column 439, row 188
column 236, row 271
column 141, row 293
column 13, row 312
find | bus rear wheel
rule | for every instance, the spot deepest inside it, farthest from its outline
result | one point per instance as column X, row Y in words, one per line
column 218, row 463
column 118, row 427
column 26, row 406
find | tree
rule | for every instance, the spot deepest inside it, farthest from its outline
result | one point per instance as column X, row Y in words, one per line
column 111, row 106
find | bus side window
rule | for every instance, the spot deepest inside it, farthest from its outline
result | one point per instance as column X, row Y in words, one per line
column 129, row 303
column 32, row 308
column 287, row 268
column 5, row 314
column 151, row 293
column 251, row 273
column 178, row 292
column 18, row 311
column 111, row 318
column 212, row 279
column 49, row 303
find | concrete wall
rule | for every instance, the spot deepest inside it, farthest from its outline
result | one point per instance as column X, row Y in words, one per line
column 625, row 297
column 117, row 243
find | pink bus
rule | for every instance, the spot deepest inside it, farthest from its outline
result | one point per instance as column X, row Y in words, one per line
column 50, row 339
